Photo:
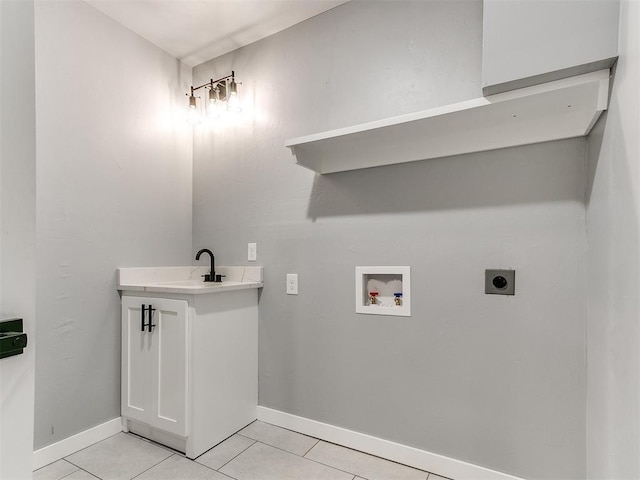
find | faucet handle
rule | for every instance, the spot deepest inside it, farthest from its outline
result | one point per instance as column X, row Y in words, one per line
column 207, row 277
column 219, row 278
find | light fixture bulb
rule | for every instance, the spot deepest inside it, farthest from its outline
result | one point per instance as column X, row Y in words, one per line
column 233, row 102
column 193, row 116
column 213, row 110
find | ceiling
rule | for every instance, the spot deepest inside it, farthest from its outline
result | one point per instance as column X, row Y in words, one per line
column 195, row 31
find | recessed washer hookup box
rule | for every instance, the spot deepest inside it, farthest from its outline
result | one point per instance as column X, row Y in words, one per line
column 383, row 290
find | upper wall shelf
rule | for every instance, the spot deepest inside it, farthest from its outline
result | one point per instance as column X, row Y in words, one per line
column 551, row 111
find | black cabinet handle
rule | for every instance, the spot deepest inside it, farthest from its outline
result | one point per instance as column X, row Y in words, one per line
column 142, row 312
column 151, row 325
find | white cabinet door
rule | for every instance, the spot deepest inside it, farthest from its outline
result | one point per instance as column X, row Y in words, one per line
column 154, row 362
column 170, row 366
column 136, row 362
column 17, row 234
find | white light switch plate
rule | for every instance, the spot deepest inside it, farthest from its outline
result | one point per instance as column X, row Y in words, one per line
column 252, row 252
column 292, row 283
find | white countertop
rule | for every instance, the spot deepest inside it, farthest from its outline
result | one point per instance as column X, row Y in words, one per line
column 187, row 280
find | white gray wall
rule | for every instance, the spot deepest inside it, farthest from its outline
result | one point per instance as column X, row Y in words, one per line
column 613, row 226
column 494, row 381
column 524, row 39
column 114, row 190
column 17, row 237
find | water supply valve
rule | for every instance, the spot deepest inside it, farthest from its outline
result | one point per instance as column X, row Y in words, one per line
column 397, row 298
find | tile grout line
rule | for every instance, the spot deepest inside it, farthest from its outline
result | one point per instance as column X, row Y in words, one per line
column 84, row 448
column 154, row 465
column 358, row 451
column 318, row 440
column 331, row 466
column 213, row 470
column 228, row 476
column 278, row 448
column 380, row 458
column 229, row 461
column 310, row 448
column 65, row 459
column 300, row 456
column 244, row 436
column 180, row 455
column 78, row 470
column 65, row 476
column 278, row 428
column 309, row 459
column 87, row 471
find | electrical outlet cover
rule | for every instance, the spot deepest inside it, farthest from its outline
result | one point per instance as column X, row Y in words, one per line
column 252, row 252
column 292, row 284
column 499, row 282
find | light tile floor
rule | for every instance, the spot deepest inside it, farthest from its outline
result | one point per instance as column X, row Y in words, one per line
column 258, row 452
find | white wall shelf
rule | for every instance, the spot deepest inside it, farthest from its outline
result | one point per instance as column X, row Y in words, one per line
column 385, row 282
column 555, row 110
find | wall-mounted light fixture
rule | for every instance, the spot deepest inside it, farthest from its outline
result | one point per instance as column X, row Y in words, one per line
column 222, row 95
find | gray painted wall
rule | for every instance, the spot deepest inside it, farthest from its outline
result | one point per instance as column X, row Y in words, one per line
column 18, row 232
column 494, row 381
column 524, row 38
column 114, row 190
column 613, row 226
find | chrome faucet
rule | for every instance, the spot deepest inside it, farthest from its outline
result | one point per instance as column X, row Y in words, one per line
column 211, row 277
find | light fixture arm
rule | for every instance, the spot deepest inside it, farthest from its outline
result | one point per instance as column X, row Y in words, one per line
column 220, row 84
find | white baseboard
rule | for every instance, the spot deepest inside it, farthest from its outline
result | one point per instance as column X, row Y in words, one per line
column 413, row 457
column 63, row 448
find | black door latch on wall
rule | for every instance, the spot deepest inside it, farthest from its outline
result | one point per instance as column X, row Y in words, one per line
column 13, row 340
column 143, row 312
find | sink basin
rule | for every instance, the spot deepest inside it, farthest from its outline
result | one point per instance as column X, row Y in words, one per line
column 188, row 283
column 196, row 286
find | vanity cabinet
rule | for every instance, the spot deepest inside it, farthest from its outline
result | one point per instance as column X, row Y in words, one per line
column 189, row 361
column 154, row 362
